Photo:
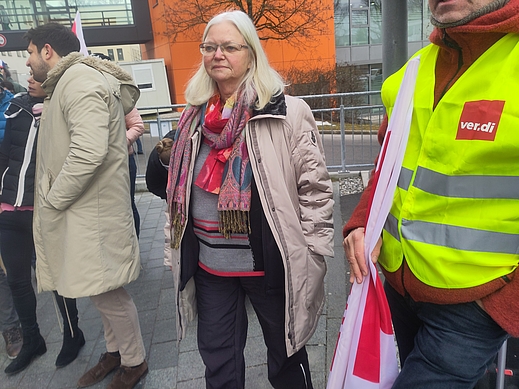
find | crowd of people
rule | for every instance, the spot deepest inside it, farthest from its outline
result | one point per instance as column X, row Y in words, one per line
column 249, row 205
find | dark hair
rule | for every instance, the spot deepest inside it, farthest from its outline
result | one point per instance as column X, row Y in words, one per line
column 6, row 69
column 61, row 38
column 7, row 85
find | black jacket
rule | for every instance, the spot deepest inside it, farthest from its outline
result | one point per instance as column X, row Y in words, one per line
column 18, row 152
column 156, row 173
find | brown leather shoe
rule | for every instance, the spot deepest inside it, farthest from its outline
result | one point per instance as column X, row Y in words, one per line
column 107, row 363
column 127, row 377
column 13, row 341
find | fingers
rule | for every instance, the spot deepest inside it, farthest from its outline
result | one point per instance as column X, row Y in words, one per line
column 376, row 251
column 353, row 246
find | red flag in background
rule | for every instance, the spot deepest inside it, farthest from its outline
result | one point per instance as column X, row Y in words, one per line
column 365, row 354
column 77, row 29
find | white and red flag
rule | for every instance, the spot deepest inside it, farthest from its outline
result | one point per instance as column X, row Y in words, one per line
column 77, row 29
column 365, row 354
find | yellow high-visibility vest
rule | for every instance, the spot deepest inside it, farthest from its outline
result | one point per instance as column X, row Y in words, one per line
column 455, row 212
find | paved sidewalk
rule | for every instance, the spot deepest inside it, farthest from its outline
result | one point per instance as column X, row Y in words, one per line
column 172, row 366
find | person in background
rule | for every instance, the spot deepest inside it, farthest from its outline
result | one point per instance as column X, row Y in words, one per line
column 6, row 75
column 9, row 322
column 157, row 181
column 17, row 165
column 85, row 239
column 5, row 98
column 250, row 205
column 450, row 244
column 6, row 85
column 4, row 19
column 134, row 129
column 138, row 142
column 158, row 164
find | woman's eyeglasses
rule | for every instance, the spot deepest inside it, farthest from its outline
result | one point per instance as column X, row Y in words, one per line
column 208, row 49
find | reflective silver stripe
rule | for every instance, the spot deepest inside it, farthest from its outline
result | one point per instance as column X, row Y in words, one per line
column 391, row 226
column 460, row 238
column 472, row 187
column 404, row 180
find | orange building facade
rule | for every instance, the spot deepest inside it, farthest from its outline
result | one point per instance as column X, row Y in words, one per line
column 182, row 56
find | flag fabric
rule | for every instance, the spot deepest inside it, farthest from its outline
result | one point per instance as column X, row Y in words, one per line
column 77, row 29
column 365, row 354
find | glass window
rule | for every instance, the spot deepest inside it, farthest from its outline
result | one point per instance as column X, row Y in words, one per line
column 414, row 18
column 143, row 76
column 342, row 23
column 120, row 55
column 427, row 26
column 359, row 17
column 375, row 23
column 359, row 22
column 24, row 14
column 111, row 54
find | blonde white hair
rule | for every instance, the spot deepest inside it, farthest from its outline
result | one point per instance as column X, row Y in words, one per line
column 260, row 78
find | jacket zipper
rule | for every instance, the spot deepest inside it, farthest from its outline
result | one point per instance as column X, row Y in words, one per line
column 291, row 337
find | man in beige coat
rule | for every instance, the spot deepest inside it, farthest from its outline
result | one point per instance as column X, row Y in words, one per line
column 83, row 226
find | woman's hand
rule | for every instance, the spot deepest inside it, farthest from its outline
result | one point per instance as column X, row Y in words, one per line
column 354, row 249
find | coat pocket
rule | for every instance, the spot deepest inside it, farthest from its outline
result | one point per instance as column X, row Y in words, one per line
column 46, row 183
column 316, row 270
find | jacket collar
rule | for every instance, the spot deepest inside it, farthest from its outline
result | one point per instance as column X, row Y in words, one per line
column 277, row 107
column 57, row 71
column 122, row 85
column 24, row 101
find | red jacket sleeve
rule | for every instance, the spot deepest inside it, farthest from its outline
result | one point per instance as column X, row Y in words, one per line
column 503, row 306
column 358, row 218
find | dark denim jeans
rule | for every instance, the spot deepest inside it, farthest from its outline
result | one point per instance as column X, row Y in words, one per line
column 442, row 346
column 8, row 315
column 17, row 249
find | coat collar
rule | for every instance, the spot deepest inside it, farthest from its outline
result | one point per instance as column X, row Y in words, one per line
column 276, row 107
column 57, row 71
column 122, row 84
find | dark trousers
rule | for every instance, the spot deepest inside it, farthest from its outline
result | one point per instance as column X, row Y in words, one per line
column 17, row 247
column 222, row 332
column 442, row 346
column 133, row 177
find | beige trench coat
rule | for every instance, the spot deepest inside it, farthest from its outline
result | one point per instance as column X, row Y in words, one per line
column 296, row 193
column 83, row 225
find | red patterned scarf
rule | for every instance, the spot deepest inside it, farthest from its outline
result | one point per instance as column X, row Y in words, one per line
column 229, row 160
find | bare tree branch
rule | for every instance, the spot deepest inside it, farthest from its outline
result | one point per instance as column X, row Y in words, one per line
column 291, row 20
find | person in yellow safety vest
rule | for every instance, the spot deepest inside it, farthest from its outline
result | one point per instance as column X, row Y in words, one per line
column 450, row 246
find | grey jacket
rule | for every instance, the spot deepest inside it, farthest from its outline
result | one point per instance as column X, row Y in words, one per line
column 297, row 199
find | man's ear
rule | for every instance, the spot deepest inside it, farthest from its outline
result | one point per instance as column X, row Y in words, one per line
column 47, row 52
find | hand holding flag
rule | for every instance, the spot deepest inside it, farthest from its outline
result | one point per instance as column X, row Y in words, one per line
column 365, row 354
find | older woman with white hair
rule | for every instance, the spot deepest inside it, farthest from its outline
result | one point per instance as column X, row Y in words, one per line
column 250, row 206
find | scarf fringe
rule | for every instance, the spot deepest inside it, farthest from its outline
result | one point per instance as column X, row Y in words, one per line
column 233, row 222
column 177, row 224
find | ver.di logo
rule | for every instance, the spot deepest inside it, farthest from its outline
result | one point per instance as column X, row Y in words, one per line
column 480, row 120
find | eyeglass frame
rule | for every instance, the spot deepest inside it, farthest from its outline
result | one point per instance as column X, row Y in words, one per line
column 221, row 46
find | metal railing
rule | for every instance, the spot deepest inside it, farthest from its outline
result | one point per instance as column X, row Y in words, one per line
column 348, row 124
